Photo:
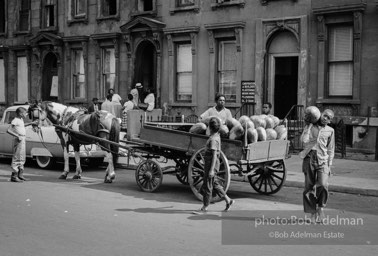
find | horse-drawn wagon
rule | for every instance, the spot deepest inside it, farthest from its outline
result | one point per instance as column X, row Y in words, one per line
column 261, row 162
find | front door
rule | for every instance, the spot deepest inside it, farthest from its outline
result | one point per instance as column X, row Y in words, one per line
column 285, row 85
column 49, row 74
column 145, row 67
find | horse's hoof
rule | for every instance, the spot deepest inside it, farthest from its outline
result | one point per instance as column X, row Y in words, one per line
column 63, row 177
column 76, row 177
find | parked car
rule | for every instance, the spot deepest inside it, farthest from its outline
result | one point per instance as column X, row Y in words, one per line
column 43, row 146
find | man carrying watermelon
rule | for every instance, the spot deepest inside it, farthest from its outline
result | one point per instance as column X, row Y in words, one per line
column 219, row 110
column 319, row 150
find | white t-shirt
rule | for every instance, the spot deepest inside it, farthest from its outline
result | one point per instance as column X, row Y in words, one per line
column 116, row 98
column 19, row 126
column 129, row 105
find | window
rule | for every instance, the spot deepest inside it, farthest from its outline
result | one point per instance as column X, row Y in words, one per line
column 79, row 8
column 48, row 13
column 2, row 16
column 108, row 7
column 340, row 60
column 24, row 15
column 78, row 74
column 145, row 5
column 227, row 69
column 108, row 70
column 184, row 89
column 2, row 80
column 182, row 3
column 22, row 80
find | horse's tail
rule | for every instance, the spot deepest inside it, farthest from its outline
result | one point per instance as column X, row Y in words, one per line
column 114, row 136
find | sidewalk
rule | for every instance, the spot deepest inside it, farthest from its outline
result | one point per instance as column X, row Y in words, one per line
column 348, row 176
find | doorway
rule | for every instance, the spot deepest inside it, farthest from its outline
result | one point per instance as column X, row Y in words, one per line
column 49, row 71
column 145, row 67
column 285, row 84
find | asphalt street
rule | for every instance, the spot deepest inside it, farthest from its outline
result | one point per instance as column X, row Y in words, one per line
column 47, row 216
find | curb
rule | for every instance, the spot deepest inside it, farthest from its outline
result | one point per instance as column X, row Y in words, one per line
column 337, row 188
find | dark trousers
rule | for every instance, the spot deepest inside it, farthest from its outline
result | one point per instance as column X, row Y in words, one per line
column 315, row 193
column 210, row 184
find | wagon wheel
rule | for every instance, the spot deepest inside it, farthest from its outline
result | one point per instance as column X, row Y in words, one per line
column 269, row 177
column 196, row 173
column 182, row 171
column 149, row 175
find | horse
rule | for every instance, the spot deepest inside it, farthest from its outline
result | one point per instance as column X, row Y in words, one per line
column 101, row 124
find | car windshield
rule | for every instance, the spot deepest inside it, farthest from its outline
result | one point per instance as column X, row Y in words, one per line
column 12, row 114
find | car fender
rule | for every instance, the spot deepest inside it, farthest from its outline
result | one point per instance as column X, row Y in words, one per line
column 40, row 152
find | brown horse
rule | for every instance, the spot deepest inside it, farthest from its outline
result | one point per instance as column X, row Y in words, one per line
column 100, row 124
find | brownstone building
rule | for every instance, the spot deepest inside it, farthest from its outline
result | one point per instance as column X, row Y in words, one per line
column 288, row 52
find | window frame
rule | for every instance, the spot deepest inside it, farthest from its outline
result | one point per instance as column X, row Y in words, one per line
column 220, row 69
column 330, row 62
column 138, row 12
column 333, row 15
column 176, row 57
column 215, row 4
column 21, row 54
column 77, row 18
column 174, row 37
column 175, row 7
column 103, row 87
column 100, row 14
column 44, row 13
column 75, row 74
column 219, row 32
column 19, row 30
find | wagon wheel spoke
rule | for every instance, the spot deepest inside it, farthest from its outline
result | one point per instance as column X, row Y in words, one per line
column 197, row 182
column 273, row 181
column 278, row 177
column 275, row 169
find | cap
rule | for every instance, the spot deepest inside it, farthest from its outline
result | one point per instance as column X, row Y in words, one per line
column 138, row 85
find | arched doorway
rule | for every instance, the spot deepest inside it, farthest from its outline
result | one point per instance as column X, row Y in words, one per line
column 282, row 89
column 49, row 75
column 145, row 66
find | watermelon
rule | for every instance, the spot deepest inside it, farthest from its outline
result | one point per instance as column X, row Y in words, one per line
column 258, row 121
column 246, row 122
column 223, row 131
column 271, row 134
column 231, row 123
column 198, row 128
column 261, row 134
column 269, row 122
column 236, row 132
column 312, row 114
column 252, row 135
column 281, row 132
column 276, row 120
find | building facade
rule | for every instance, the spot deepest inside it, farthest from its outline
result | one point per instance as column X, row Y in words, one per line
column 287, row 52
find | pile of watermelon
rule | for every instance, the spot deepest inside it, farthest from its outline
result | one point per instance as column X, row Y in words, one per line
column 256, row 128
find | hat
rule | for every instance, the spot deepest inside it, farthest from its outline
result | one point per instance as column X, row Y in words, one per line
column 138, row 85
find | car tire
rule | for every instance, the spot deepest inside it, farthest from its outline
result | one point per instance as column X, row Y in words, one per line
column 45, row 162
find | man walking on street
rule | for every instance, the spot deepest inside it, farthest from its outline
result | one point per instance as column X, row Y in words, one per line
column 318, row 154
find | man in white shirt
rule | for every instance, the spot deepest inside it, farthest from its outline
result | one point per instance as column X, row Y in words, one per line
column 219, row 110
